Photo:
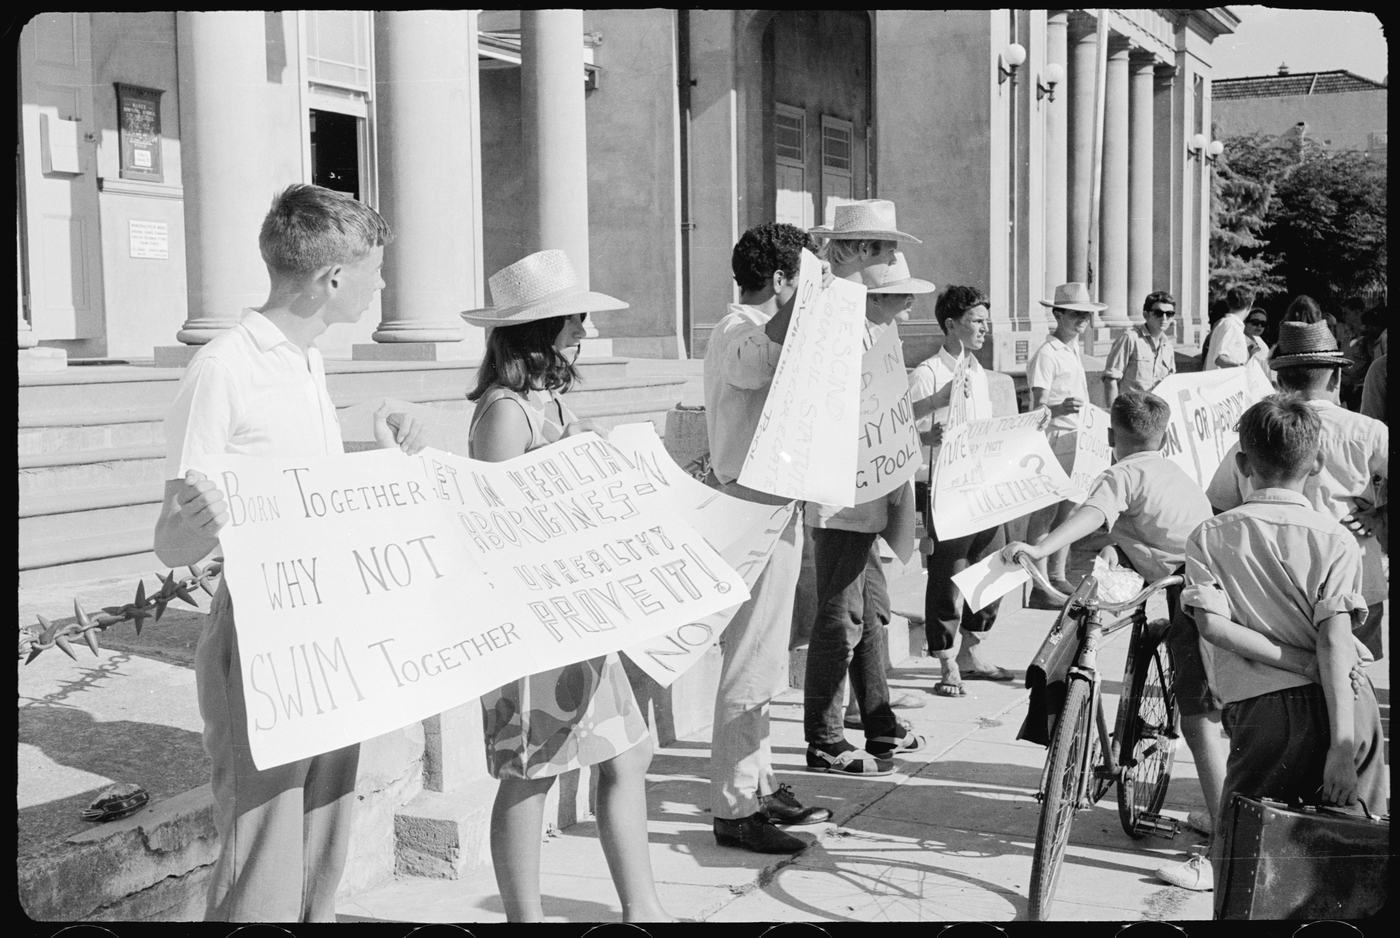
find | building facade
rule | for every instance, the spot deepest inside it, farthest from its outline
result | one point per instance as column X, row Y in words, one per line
column 1336, row 109
column 642, row 141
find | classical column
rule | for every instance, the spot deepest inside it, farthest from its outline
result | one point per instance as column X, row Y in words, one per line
column 429, row 182
column 1141, row 81
column 1165, row 187
column 1082, row 43
column 223, row 129
column 1113, row 217
column 1056, row 153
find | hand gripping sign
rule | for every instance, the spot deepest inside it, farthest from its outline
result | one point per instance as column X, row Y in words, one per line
column 379, row 589
column 803, row 446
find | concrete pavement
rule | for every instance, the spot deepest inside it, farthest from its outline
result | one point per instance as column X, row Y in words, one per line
column 949, row 837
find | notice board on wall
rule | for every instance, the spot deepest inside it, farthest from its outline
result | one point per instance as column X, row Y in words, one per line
column 138, row 123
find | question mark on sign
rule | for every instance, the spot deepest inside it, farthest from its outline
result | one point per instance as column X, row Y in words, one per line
column 1040, row 462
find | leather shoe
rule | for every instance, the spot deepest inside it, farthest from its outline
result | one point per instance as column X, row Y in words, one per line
column 782, row 807
column 755, row 833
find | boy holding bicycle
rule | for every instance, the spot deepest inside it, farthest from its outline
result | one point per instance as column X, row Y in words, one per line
column 1269, row 580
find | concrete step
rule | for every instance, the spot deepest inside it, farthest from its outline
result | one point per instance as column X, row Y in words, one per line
column 97, row 534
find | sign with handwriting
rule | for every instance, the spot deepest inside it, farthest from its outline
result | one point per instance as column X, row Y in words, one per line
column 889, row 439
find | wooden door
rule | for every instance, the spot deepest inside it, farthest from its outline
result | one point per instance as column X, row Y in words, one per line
column 63, row 251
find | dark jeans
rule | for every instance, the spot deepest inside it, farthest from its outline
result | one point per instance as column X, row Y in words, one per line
column 944, row 609
column 853, row 609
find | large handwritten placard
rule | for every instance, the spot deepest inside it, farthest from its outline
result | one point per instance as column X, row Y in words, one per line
column 1092, row 454
column 992, row 471
column 804, row 446
column 1205, row 407
column 889, row 439
column 744, row 533
column 379, row 589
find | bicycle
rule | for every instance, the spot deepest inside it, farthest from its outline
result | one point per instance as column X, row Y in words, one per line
column 1081, row 765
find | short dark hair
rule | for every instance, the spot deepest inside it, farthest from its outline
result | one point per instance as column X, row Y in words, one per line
column 1283, row 433
column 956, row 300
column 1304, row 309
column 523, row 358
column 1240, row 296
column 1306, row 377
column 1155, row 297
column 309, row 228
column 767, row 248
column 1141, row 416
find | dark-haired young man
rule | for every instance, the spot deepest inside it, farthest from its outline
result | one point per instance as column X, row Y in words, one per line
column 1144, row 356
column 1229, row 346
column 742, row 356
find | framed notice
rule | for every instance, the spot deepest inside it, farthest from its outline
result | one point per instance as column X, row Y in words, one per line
column 138, row 122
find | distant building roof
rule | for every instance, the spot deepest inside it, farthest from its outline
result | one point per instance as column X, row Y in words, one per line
column 1303, row 83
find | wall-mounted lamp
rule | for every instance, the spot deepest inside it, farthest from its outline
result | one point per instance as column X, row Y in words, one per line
column 1045, row 85
column 1199, row 146
column 1009, row 61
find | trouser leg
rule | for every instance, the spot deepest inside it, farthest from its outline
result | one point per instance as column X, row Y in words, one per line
column 870, row 658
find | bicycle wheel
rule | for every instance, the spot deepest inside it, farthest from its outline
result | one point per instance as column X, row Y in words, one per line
column 1150, row 729
column 1064, row 766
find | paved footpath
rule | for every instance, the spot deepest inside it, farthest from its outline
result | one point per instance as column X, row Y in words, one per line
column 948, row 838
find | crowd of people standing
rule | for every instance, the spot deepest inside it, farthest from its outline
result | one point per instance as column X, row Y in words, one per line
column 260, row 390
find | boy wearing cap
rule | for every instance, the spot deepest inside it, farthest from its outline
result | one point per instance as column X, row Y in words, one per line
column 259, row 389
column 963, row 312
column 1057, row 381
column 1143, row 357
column 852, row 598
column 1355, row 452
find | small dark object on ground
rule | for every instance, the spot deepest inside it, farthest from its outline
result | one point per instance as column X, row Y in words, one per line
column 116, row 801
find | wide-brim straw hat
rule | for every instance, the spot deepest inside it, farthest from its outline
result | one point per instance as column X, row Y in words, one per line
column 865, row 220
column 539, row 286
column 892, row 278
column 1074, row 297
column 1304, row 344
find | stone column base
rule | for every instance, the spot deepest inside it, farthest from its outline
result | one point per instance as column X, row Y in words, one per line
column 38, row 360
column 465, row 350
column 174, row 356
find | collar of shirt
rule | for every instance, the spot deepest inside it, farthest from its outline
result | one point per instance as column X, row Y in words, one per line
column 265, row 335
column 1072, row 349
column 1285, row 496
column 1145, row 454
column 963, row 355
column 1156, row 344
column 752, row 313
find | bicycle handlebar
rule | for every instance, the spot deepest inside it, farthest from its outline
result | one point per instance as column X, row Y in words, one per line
column 1112, row 608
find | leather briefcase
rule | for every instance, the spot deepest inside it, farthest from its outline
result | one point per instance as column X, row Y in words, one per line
column 1301, row 862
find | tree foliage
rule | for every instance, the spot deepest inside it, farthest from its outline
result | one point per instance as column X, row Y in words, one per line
column 1292, row 215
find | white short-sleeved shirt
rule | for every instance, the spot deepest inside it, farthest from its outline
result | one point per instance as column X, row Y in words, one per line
column 739, row 366
column 1057, row 368
column 1151, row 506
column 251, row 392
column 932, row 375
column 1227, row 339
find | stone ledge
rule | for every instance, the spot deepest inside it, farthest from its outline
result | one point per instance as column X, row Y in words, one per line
column 445, row 835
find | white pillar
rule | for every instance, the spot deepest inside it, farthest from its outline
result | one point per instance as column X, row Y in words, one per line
column 1141, row 82
column 1082, row 45
column 429, row 183
column 223, row 133
column 1113, row 211
column 1056, row 155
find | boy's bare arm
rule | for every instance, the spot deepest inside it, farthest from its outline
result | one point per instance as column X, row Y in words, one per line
column 1336, row 656
column 1083, row 522
column 1256, row 646
column 927, row 405
column 191, row 515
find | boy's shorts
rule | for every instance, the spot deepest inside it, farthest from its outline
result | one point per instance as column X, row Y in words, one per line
column 1194, row 696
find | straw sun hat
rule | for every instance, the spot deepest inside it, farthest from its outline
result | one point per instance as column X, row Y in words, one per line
column 1074, row 297
column 893, row 278
column 1305, row 344
column 539, row 286
column 865, row 220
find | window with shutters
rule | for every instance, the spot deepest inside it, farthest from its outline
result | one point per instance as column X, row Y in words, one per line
column 836, row 165
column 794, row 204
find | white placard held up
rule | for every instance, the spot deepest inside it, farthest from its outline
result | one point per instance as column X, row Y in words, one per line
column 889, row 438
column 992, row 471
column 1205, row 407
column 1092, row 454
column 986, row 581
column 378, row 589
column 804, row 446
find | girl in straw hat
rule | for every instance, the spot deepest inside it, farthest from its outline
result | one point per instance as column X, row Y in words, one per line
column 583, row 714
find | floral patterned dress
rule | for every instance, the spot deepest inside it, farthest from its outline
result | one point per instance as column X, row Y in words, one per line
column 584, row 713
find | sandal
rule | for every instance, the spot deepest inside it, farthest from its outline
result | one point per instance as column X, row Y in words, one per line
column 950, row 689
column 854, row 722
column 856, row 762
column 995, row 674
column 909, row 742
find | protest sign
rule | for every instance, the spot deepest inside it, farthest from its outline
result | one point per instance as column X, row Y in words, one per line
column 1092, row 454
column 1205, row 407
column 888, row 455
column 743, row 533
column 959, row 393
column 804, row 446
column 988, row 580
column 379, row 589
column 992, row 471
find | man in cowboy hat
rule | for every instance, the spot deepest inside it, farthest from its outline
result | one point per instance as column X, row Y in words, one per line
column 853, row 605
column 1355, row 458
column 1057, row 381
column 745, row 798
column 862, row 234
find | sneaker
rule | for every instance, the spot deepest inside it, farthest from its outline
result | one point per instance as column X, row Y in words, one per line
column 1194, row 873
column 755, row 833
column 1200, row 821
column 782, row 807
